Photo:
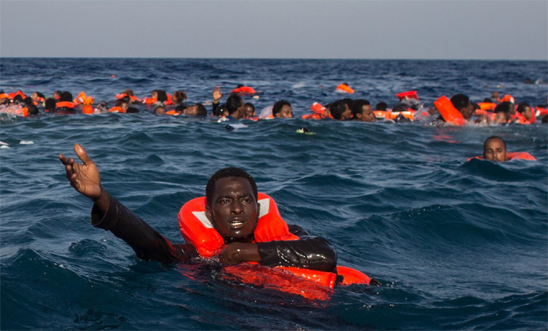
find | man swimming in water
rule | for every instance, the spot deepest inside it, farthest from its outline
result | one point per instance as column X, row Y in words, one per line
column 231, row 207
column 494, row 149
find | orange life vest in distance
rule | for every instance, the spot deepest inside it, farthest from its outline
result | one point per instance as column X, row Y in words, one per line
column 66, row 104
column 117, row 110
column 83, row 99
column 512, row 156
column 169, row 100
column 541, row 112
column 88, row 110
column 449, row 113
column 123, row 95
column 24, row 112
column 344, row 88
column 408, row 95
column 149, row 101
column 172, row 112
column 244, row 90
column 13, row 94
column 198, row 230
column 389, row 115
column 320, row 112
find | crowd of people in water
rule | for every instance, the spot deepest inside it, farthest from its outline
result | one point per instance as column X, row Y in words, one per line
column 457, row 110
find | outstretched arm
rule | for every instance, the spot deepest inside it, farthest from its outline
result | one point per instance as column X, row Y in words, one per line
column 111, row 215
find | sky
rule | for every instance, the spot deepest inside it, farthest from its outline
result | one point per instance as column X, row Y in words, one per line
column 387, row 29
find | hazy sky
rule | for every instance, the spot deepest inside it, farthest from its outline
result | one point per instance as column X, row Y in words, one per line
column 435, row 29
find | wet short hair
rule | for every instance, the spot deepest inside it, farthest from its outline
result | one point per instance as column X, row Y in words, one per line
column 250, row 105
column 337, row 109
column 132, row 110
column 278, row 106
column 491, row 138
column 66, row 96
column 180, row 95
column 381, row 106
column 162, row 95
column 17, row 99
column 201, row 111
column 460, row 101
column 228, row 172
column 233, row 103
column 504, row 107
column 357, row 106
column 522, row 106
column 32, row 110
column 50, row 104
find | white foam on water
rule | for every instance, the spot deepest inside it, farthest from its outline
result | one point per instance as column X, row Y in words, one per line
column 4, row 146
column 3, row 143
column 26, row 142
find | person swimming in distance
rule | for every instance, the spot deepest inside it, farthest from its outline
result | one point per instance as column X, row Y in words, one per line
column 57, row 95
column 234, row 107
column 178, row 99
column 503, row 112
column 382, row 106
column 282, row 109
column 249, row 110
column 526, row 112
column 196, row 110
column 160, row 110
column 231, row 208
column 362, row 111
column 462, row 103
column 340, row 110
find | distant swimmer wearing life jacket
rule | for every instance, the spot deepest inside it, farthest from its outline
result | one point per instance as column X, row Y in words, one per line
column 494, row 149
column 233, row 222
column 363, row 111
column 232, row 110
column 458, row 110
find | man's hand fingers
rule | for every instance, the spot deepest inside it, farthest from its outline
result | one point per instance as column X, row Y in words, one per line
column 82, row 155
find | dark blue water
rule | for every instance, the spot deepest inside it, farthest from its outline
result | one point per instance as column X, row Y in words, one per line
column 457, row 245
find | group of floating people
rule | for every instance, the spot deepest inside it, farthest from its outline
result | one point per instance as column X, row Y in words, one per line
column 457, row 110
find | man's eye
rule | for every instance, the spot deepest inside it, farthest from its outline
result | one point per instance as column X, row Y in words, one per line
column 247, row 200
column 224, row 201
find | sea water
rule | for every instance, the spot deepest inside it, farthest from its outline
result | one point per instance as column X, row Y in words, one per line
column 456, row 244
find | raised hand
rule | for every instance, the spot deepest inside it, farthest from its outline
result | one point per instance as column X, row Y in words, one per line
column 217, row 94
column 84, row 177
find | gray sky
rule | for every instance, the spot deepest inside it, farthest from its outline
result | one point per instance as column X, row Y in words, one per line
column 436, row 29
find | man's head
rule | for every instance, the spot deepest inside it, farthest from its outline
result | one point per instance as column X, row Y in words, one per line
column 362, row 111
column 66, row 96
column 502, row 111
column 249, row 110
column 494, row 149
column 231, row 204
column 197, row 110
column 282, row 109
column 159, row 110
column 462, row 103
column 340, row 110
column 161, row 95
column 525, row 110
column 235, row 106
column 381, row 106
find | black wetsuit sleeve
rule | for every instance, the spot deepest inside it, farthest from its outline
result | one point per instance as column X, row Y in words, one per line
column 147, row 243
column 214, row 108
column 308, row 252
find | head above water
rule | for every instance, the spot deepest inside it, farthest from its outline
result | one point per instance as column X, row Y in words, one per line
column 362, row 111
column 462, row 103
column 234, row 105
column 340, row 110
column 231, row 203
column 494, row 149
column 282, row 109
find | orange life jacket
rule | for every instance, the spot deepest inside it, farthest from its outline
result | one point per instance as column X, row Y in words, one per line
column 344, row 88
column 83, row 99
column 319, row 112
column 541, row 112
column 521, row 119
column 408, row 95
column 389, row 115
column 508, row 98
column 244, row 90
column 512, row 156
column 88, row 110
column 172, row 112
column 198, row 230
column 66, row 104
column 13, row 94
column 123, row 95
column 117, row 110
column 22, row 112
column 487, row 106
column 449, row 113
column 38, row 101
column 149, row 101
column 169, row 100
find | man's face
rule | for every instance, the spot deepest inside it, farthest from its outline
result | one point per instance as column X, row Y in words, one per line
column 495, row 151
column 527, row 113
column 191, row 110
column 285, row 112
column 234, row 210
column 500, row 118
column 367, row 114
column 468, row 111
column 249, row 112
column 347, row 114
